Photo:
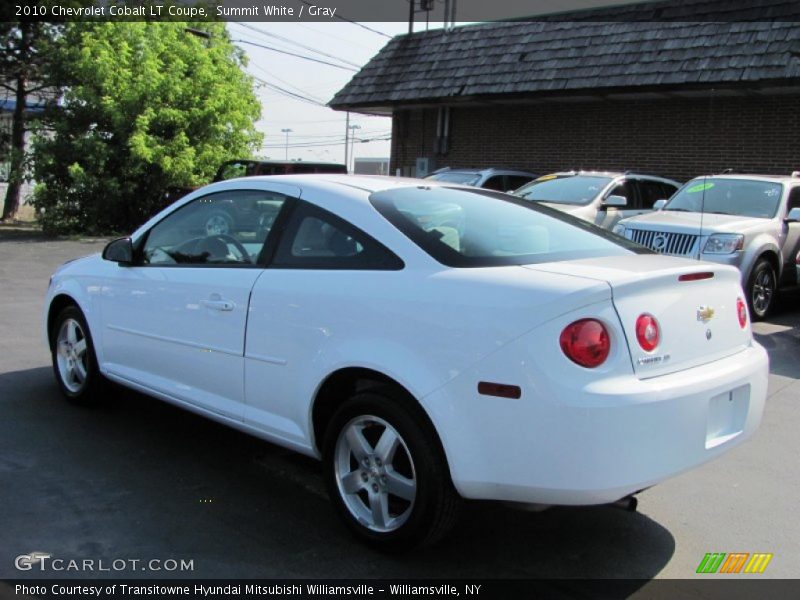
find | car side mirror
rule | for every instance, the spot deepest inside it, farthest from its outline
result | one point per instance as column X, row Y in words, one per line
column 616, row 201
column 793, row 216
column 659, row 204
column 119, row 251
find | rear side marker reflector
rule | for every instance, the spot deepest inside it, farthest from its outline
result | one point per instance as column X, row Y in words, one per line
column 501, row 390
column 696, row 276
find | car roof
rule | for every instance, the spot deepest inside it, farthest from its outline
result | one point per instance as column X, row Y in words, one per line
column 350, row 190
column 476, row 171
column 753, row 176
column 365, row 183
column 612, row 174
column 258, row 161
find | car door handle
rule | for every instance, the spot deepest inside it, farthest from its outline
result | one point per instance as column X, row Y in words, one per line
column 221, row 305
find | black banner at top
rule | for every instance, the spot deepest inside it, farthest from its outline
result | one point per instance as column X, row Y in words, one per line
column 402, row 10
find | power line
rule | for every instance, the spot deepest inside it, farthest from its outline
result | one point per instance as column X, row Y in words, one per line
column 286, row 92
column 341, row 18
column 312, row 59
column 341, row 142
column 303, row 46
column 320, row 137
column 296, row 89
column 295, row 121
column 335, row 37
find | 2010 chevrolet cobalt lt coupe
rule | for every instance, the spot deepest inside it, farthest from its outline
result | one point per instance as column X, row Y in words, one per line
column 427, row 342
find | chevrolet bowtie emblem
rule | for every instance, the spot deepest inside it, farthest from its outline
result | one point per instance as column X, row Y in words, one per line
column 705, row 314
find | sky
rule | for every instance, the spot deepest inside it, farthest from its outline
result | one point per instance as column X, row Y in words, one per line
column 317, row 131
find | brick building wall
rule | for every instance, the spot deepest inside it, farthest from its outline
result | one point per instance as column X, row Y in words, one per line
column 675, row 138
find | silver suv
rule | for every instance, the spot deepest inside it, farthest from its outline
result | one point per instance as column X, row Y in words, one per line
column 748, row 221
column 501, row 180
column 600, row 197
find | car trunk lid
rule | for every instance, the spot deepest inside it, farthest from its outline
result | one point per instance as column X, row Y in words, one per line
column 695, row 304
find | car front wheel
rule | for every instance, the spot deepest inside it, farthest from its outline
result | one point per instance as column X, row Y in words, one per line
column 386, row 473
column 761, row 290
column 74, row 360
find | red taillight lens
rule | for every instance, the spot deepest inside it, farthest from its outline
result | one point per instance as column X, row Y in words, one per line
column 586, row 342
column 647, row 332
column 741, row 312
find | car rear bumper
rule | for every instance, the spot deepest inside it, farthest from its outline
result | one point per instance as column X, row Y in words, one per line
column 599, row 443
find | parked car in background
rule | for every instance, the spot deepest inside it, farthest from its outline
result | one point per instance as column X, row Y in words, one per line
column 797, row 266
column 250, row 168
column 501, row 180
column 749, row 221
column 428, row 342
column 601, row 197
column 225, row 217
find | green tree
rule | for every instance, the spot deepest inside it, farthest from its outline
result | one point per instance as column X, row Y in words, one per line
column 146, row 106
column 25, row 53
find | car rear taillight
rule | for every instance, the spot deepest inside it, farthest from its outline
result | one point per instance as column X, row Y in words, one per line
column 741, row 312
column 586, row 343
column 648, row 333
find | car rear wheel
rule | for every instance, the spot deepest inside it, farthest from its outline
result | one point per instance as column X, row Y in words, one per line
column 761, row 290
column 386, row 473
column 74, row 359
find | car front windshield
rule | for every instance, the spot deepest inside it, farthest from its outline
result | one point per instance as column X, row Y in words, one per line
column 477, row 228
column 718, row 195
column 461, row 178
column 573, row 189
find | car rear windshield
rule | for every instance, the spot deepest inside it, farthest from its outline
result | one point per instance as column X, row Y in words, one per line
column 575, row 189
column 461, row 178
column 722, row 196
column 476, row 228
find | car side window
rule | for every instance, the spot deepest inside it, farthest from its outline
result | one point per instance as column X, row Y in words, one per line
column 652, row 191
column 222, row 229
column 497, row 182
column 794, row 199
column 515, row 181
column 317, row 239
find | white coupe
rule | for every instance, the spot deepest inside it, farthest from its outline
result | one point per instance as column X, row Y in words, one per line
column 428, row 342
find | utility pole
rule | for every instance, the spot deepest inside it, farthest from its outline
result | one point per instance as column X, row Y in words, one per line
column 352, row 143
column 287, row 132
column 346, row 137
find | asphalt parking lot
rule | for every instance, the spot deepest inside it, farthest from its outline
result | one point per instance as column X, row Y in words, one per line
column 139, row 479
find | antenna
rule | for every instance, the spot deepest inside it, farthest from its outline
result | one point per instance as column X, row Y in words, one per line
column 702, row 212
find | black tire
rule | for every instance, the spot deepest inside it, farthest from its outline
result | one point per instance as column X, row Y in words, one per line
column 435, row 505
column 86, row 391
column 762, row 288
column 218, row 222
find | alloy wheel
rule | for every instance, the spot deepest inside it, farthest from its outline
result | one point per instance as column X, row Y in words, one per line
column 763, row 290
column 375, row 473
column 71, row 356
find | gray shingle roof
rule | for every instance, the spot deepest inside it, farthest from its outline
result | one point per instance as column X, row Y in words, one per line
column 567, row 57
